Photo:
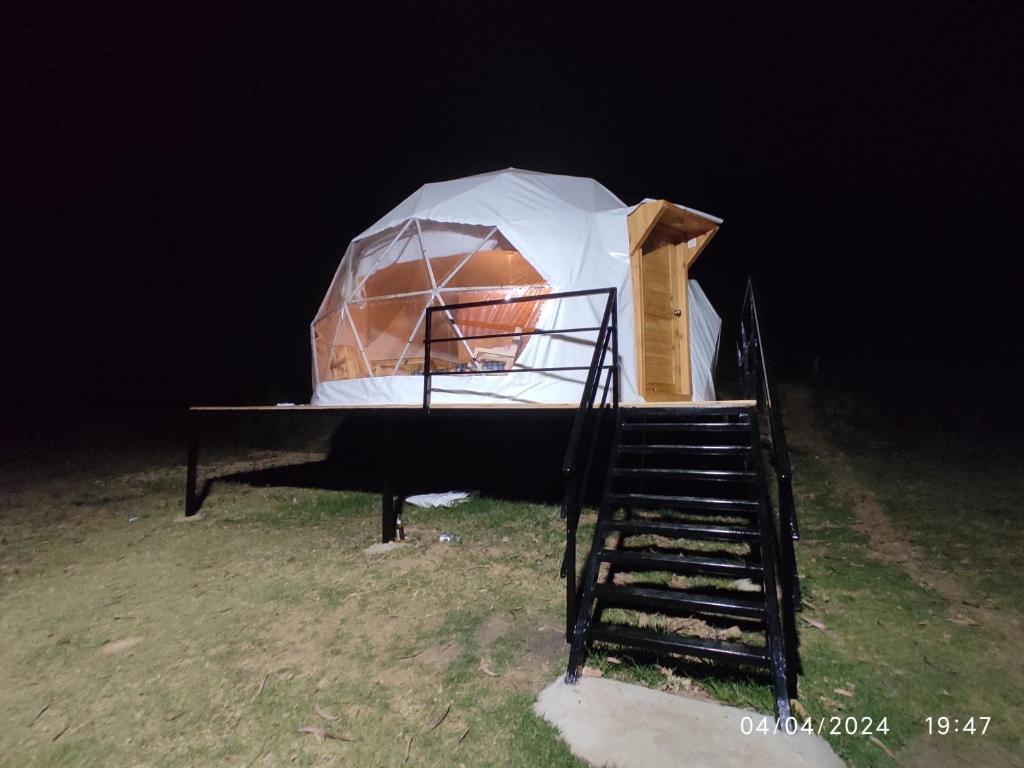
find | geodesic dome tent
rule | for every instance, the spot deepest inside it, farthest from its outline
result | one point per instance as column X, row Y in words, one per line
column 506, row 234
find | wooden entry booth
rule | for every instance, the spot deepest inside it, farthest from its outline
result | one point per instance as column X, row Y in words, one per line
column 664, row 242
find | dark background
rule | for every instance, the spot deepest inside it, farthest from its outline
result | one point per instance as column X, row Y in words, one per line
column 180, row 181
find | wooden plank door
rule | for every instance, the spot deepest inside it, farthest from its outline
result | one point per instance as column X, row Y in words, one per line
column 666, row 358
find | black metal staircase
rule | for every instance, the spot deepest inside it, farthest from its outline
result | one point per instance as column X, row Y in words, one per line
column 684, row 529
column 690, row 557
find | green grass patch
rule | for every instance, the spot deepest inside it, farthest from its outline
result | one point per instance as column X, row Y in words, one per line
column 235, row 627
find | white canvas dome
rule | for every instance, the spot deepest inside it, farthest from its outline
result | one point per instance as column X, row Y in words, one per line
column 507, row 233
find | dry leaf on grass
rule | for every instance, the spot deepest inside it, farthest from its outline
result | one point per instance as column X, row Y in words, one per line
column 814, row 623
column 39, row 714
column 830, row 703
column 120, row 646
column 612, row 660
column 799, row 709
column 321, row 734
column 324, row 713
column 592, row 672
column 440, row 720
column 843, row 692
column 486, row 670
column 745, row 585
column 964, row 621
column 878, row 743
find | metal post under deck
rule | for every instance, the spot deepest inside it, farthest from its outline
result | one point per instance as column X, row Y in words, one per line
column 393, row 480
column 389, row 510
column 192, row 462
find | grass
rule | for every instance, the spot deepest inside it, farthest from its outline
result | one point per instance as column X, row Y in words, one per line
column 246, row 620
column 134, row 638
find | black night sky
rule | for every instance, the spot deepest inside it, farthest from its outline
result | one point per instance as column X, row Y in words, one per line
column 180, row 180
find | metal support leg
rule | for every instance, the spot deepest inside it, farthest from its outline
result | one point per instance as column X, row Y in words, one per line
column 191, row 505
column 389, row 515
column 389, row 511
column 570, row 579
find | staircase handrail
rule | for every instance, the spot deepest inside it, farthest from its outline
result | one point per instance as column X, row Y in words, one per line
column 757, row 381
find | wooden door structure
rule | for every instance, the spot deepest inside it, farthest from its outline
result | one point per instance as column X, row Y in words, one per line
column 664, row 241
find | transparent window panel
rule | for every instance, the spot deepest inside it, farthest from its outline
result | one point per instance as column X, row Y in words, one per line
column 403, row 277
column 495, row 268
column 445, row 355
column 371, row 321
column 343, row 359
column 502, row 318
column 335, row 295
column 385, row 328
column 323, row 331
column 379, row 252
column 448, row 246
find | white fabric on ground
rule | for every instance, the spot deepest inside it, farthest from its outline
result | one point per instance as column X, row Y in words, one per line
column 434, row 500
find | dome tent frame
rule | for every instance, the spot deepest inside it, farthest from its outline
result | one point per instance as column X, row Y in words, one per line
column 550, row 234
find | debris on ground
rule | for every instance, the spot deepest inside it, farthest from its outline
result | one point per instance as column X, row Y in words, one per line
column 881, row 745
column 329, row 716
column 115, row 647
column 436, row 500
column 814, row 623
column 321, row 734
column 440, row 720
column 746, row 585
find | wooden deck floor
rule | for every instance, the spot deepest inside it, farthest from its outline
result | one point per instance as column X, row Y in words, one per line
column 684, row 405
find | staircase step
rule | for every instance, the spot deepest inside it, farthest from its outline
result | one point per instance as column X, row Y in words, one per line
column 689, row 564
column 673, row 600
column 672, row 529
column 703, row 503
column 701, row 414
column 706, row 450
column 660, row 642
column 722, row 475
column 685, row 426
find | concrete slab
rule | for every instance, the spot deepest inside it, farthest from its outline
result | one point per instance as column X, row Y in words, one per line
column 614, row 724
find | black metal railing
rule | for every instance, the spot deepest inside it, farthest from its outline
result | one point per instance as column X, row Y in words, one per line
column 757, row 383
column 607, row 322
column 578, row 464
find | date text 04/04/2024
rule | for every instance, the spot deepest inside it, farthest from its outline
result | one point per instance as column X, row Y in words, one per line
column 831, row 726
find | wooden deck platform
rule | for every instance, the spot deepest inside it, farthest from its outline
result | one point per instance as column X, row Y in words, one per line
column 409, row 407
